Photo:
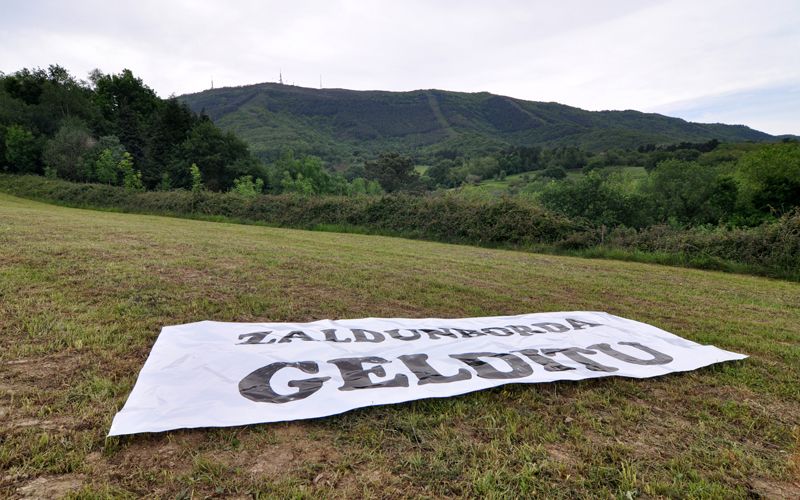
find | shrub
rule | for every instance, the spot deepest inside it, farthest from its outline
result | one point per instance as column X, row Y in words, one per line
column 772, row 248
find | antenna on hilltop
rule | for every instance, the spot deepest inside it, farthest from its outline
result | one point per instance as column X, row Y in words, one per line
column 280, row 77
column 212, row 83
column 320, row 81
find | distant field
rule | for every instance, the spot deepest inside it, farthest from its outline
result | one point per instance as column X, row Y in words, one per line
column 83, row 295
column 516, row 184
column 492, row 188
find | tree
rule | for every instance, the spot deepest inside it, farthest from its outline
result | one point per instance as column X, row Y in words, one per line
column 105, row 168
column 197, row 178
column 770, row 178
column 221, row 155
column 394, row 172
column 65, row 151
column 685, row 192
column 127, row 105
column 361, row 186
column 248, row 187
column 305, row 175
column 49, row 116
column 166, row 183
column 131, row 178
column 554, row 173
column 103, row 158
column 297, row 184
column 22, row 150
column 167, row 129
column 598, row 197
column 439, row 172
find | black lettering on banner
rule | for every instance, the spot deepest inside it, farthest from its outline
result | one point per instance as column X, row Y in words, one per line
column 523, row 330
column 419, row 366
column 549, row 364
column 395, row 334
column 575, row 354
column 580, row 325
column 552, row 327
column 442, row 332
column 253, row 338
column 355, row 376
column 469, row 333
column 519, row 368
column 658, row 358
column 330, row 336
column 367, row 335
column 256, row 386
column 505, row 332
column 297, row 334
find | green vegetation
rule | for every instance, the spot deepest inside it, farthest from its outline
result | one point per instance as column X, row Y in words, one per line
column 343, row 126
column 731, row 206
column 115, row 130
column 112, row 129
column 686, row 185
column 83, row 295
column 771, row 248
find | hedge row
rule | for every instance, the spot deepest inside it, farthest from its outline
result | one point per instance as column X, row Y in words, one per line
column 444, row 218
column 772, row 249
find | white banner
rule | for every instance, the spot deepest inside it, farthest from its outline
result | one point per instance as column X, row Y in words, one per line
column 212, row 374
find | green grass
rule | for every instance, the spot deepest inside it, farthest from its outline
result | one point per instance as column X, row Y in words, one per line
column 83, row 295
column 525, row 184
column 492, row 188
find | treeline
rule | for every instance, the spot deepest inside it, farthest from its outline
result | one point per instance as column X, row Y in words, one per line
column 453, row 171
column 113, row 129
column 771, row 248
column 730, row 186
column 450, row 169
column 685, row 184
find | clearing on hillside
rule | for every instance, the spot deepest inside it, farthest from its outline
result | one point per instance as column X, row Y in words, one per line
column 83, row 295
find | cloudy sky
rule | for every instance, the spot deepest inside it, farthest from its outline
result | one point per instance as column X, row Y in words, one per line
column 732, row 61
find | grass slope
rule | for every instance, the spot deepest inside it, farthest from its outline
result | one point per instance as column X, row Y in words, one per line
column 337, row 123
column 83, row 295
column 530, row 184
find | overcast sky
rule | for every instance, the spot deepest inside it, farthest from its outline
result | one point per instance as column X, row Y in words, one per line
column 731, row 61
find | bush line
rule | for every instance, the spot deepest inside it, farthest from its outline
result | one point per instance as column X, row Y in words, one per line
column 772, row 249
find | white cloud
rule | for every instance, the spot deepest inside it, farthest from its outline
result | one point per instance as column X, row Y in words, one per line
column 621, row 54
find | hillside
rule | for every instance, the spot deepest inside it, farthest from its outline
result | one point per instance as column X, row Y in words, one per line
column 338, row 123
column 84, row 294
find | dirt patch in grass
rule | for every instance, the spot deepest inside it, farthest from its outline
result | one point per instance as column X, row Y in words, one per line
column 50, row 487
column 771, row 489
column 287, row 449
column 562, row 455
column 171, row 453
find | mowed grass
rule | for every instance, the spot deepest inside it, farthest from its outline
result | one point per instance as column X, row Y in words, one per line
column 83, row 295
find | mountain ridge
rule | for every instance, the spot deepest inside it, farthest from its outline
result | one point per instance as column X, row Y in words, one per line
column 340, row 123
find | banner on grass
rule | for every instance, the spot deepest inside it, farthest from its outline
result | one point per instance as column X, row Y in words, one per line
column 212, row 374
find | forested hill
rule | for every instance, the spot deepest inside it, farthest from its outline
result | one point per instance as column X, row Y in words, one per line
column 337, row 123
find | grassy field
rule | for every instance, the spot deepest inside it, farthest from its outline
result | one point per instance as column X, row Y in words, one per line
column 524, row 184
column 517, row 185
column 83, row 295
